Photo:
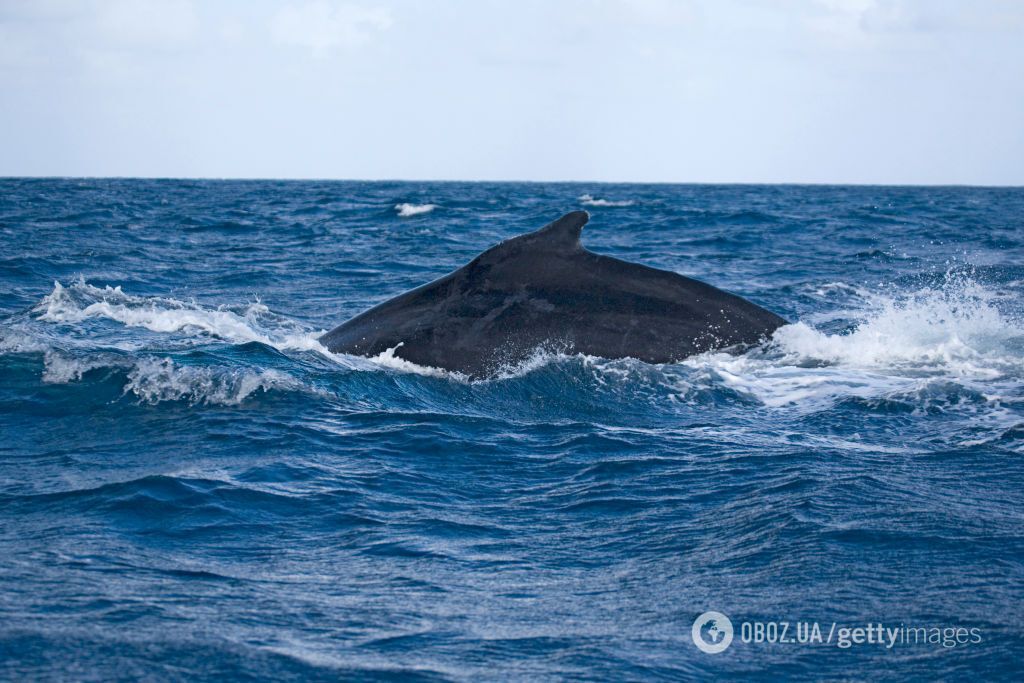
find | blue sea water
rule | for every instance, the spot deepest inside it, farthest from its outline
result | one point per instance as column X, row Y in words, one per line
column 192, row 487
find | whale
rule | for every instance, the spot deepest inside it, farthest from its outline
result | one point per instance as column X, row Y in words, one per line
column 545, row 291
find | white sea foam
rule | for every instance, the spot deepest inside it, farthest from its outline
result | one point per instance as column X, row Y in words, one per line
column 237, row 325
column 61, row 368
column 406, row 210
column 160, row 379
column 536, row 360
column 156, row 379
column 903, row 345
column 17, row 341
column 956, row 329
column 81, row 301
column 589, row 200
column 388, row 359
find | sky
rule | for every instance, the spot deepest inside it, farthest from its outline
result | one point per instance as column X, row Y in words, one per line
column 800, row 91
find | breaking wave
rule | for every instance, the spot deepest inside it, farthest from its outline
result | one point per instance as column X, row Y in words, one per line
column 388, row 359
column 251, row 322
column 159, row 379
column 406, row 210
column 589, row 200
column 901, row 344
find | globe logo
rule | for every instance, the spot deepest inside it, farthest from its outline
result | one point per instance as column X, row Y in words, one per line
column 712, row 632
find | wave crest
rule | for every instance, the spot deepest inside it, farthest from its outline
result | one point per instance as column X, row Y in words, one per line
column 903, row 345
column 956, row 327
column 589, row 200
column 156, row 380
column 388, row 359
column 252, row 322
column 61, row 368
column 406, row 210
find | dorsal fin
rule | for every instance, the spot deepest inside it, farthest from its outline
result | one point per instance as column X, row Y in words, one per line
column 561, row 236
column 565, row 232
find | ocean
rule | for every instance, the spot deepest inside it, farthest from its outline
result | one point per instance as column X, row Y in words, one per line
column 191, row 487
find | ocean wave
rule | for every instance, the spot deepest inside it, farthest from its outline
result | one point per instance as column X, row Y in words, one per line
column 17, row 341
column 406, row 210
column 541, row 357
column 388, row 359
column 252, row 322
column 160, row 379
column 956, row 328
column 589, row 200
column 157, row 379
column 245, row 324
column 903, row 346
column 62, row 368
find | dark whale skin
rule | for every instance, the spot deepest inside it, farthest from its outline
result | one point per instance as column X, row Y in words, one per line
column 543, row 289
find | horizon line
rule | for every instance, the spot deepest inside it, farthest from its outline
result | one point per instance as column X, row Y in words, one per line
column 510, row 181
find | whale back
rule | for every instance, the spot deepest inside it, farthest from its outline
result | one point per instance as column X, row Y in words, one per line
column 544, row 289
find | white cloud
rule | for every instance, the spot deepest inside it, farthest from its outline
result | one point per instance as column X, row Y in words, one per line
column 322, row 26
